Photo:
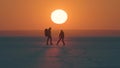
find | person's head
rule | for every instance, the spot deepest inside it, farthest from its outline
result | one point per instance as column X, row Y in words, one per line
column 61, row 30
column 50, row 28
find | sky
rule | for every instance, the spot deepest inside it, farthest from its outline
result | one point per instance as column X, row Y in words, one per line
column 82, row 14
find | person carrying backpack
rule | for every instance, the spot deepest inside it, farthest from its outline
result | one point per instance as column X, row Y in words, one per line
column 48, row 35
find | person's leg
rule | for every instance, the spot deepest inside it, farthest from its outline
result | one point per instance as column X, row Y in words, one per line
column 47, row 40
column 63, row 41
column 58, row 41
column 51, row 40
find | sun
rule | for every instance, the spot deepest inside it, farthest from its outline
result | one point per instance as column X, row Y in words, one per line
column 59, row 16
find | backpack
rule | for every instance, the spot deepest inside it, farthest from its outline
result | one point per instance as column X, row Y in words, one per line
column 46, row 32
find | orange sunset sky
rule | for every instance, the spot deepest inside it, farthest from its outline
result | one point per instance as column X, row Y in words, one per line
column 82, row 14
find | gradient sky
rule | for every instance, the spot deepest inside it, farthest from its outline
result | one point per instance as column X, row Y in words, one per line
column 83, row 14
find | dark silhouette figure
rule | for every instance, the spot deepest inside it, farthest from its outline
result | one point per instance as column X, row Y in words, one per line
column 61, row 37
column 48, row 35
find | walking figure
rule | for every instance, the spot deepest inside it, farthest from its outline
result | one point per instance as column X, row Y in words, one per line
column 48, row 35
column 61, row 37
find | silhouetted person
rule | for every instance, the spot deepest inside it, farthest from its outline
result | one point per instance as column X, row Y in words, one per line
column 49, row 37
column 61, row 37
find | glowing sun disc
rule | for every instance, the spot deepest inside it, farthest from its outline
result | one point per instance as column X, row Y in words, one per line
column 59, row 16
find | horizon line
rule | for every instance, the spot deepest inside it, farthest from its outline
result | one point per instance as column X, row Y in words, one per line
column 59, row 29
